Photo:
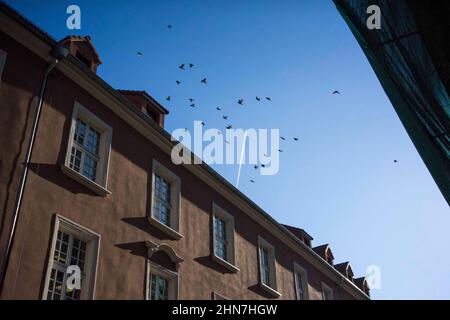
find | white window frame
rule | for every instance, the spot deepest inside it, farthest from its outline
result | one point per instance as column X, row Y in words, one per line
column 272, row 287
column 92, row 240
column 173, row 230
column 304, row 285
column 3, row 56
column 326, row 288
column 230, row 262
column 101, row 182
column 170, row 276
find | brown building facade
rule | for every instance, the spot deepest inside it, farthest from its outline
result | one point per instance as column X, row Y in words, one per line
column 102, row 193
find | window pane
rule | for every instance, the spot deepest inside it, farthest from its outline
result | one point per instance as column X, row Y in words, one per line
column 78, row 253
column 75, row 159
column 55, row 286
column 84, row 155
column 158, row 288
column 220, row 238
column 61, row 247
column 162, row 206
column 90, row 167
column 93, row 141
column 80, row 131
column 265, row 270
column 299, row 286
column 69, row 250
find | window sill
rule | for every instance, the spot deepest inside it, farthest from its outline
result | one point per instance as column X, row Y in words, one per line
column 100, row 190
column 167, row 230
column 225, row 263
column 274, row 293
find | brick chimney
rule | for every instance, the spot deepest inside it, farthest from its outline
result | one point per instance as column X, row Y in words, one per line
column 81, row 48
column 147, row 105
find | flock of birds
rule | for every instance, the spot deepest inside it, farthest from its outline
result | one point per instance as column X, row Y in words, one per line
column 240, row 101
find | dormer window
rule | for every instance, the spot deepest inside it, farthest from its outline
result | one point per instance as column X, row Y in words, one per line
column 83, row 59
column 81, row 48
column 147, row 105
column 345, row 269
column 325, row 253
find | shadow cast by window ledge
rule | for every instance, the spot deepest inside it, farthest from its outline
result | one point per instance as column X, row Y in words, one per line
column 208, row 262
column 143, row 224
column 54, row 174
column 135, row 248
column 260, row 291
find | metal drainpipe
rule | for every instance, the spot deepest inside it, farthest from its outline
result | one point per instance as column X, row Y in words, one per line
column 59, row 52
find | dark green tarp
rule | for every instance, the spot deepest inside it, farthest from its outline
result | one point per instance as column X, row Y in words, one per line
column 407, row 72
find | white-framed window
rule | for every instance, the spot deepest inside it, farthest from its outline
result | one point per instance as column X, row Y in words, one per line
column 87, row 156
column 267, row 267
column 223, row 238
column 72, row 245
column 2, row 62
column 300, row 282
column 162, row 276
column 166, row 200
column 162, row 283
column 327, row 292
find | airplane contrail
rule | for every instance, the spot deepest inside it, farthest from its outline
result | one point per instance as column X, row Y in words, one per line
column 240, row 162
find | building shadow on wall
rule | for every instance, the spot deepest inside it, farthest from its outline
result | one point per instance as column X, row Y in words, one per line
column 16, row 165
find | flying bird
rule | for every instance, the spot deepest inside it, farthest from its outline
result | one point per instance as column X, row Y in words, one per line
column 168, row 98
column 335, row 92
column 225, row 117
column 181, row 66
column 140, row 54
column 193, row 105
column 169, row 26
column 279, row 150
column 191, row 99
column 241, row 101
column 268, row 99
column 191, row 65
column 178, row 82
column 263, row 166
column 258, row 99
column 252, row 181
column 203, row 123
column 229, row 126
column 204, row 81
column 218, row 108
column 256, row 166
column 395, row 161
column 295, row 139
column 283, row 138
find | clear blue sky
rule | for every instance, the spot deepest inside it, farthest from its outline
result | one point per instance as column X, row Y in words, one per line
column 339, row 182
